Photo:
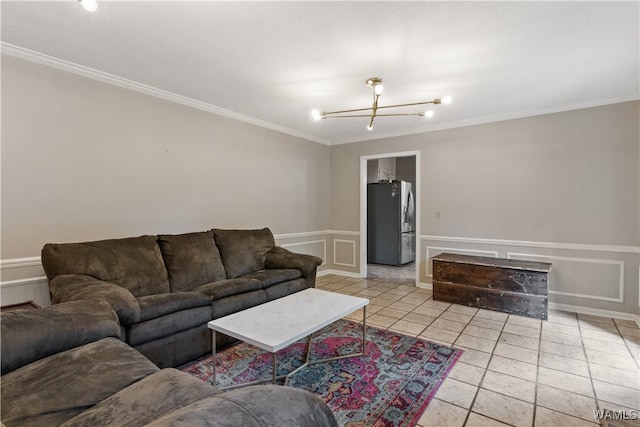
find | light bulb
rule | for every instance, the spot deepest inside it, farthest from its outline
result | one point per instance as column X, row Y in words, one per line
column 316, row 115
column 428, row 113
column 447, row 100
column 89, row 5
column 378, row 89
column 369, row 127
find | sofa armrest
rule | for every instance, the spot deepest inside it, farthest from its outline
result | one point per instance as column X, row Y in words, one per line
column 75, row 287
column 30, row 335
column 254, row 406
column 279, row 257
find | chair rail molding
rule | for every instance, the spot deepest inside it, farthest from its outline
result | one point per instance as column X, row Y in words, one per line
column 536, row 244
column 20, row 262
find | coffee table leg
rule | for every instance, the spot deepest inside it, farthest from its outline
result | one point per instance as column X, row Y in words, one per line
column 364, row 329
column 213, row 350
column 274, row 368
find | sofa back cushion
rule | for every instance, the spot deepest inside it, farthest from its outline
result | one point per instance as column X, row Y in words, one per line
column 134, row 263
column 243, row 251
column 192, row 259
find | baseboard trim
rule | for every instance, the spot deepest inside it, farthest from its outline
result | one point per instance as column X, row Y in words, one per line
column 338, row 273
column 595, row 312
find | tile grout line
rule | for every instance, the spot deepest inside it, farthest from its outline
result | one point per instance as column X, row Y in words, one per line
column 535, row 387
column 586, row 357
column 473, row 401
column 626, row 344
column 426, row 297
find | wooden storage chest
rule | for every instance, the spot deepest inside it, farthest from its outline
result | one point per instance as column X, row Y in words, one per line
column 507, row 285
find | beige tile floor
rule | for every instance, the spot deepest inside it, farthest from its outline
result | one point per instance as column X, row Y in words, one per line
column 515, row 371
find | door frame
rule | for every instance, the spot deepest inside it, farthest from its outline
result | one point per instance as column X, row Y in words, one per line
column 363, row 208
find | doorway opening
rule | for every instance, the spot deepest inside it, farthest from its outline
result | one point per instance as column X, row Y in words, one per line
column 389, row 217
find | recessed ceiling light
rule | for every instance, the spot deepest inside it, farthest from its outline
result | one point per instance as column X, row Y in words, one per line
column 89, row 5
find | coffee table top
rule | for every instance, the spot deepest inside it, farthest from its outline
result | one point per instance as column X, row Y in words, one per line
column 277, row 324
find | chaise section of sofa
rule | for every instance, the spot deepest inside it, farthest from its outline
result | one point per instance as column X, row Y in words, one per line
column 166, row 288
column 59, row 361
column 65, row 366
column 173, row 398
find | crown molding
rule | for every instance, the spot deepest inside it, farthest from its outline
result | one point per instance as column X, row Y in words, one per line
column 80, row 70
column 87, row 72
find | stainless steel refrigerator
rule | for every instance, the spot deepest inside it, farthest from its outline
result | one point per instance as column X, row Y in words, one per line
column 391, row 226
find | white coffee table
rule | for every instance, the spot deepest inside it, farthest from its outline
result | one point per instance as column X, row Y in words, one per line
column 277, row 324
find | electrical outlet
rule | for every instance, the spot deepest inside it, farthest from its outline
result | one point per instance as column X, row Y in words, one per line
column 438, row 216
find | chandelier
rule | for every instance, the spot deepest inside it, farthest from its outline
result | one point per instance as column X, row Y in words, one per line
column 376, row 85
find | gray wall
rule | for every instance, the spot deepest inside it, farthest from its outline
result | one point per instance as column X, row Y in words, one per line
column 406, row 169
column 84, row 160
column 562, row 188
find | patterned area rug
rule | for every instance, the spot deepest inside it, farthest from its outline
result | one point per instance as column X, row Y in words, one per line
column 390, row 386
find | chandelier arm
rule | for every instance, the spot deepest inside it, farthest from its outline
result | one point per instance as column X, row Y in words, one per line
column 410, row 105
column 347, row 111
column 345, row 116
column 400, row 114
column 379, row 107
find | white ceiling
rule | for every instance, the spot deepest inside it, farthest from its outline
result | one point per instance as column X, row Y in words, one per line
column 271, row 62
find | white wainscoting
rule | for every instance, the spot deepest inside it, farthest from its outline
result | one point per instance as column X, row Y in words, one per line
column 584, row 267
column 588, row 278
column 23, row 280
column 596, row 279
column 352, row 256
column 310, row 247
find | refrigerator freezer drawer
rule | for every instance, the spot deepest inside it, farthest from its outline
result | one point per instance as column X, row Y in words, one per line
column 407, row 248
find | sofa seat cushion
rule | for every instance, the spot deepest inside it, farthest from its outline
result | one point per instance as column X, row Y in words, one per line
column 226, row 288
column 192, row 259
column 272, row 277
column 52, row 390
column 167, row 325
column 258, row 406
column 243, row 251
column 146, row 400
column 153, row 306
column 285, row 288
column 236, row 303
column 134, row 263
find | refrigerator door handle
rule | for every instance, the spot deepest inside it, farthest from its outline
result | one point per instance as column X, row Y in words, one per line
column 408, row 209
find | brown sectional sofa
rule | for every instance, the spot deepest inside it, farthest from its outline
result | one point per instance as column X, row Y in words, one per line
column 166, row 288
column 65, row 365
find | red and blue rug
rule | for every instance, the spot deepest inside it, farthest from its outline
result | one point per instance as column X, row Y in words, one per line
column 390, row 386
